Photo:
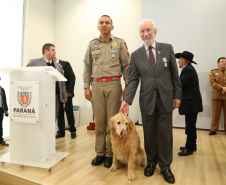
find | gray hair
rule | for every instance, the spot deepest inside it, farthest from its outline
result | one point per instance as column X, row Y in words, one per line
column 150, row 21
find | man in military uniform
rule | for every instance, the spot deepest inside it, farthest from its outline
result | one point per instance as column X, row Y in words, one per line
column 218, row 82
column 106, row 60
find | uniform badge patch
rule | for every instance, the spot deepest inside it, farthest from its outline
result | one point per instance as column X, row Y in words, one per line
column 97, row 44
column 114, row 44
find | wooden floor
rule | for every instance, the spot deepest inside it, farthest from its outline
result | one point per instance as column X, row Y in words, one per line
column 207, row 166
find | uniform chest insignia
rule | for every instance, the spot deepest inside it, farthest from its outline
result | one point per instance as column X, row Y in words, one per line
column 114, row 44
column 94, row 49
column 97, row 44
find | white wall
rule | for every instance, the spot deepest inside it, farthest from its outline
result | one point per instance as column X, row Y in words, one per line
column 11, row 16
column 76, row 24
column 39, row 27
column 195, row 26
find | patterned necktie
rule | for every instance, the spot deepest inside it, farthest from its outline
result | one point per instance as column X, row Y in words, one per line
column 151, row 58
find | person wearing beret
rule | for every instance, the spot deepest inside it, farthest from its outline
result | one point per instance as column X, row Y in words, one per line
column 191, row 103
column 218, row 82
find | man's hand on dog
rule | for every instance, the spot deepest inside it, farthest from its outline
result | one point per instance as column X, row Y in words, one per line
column 124, row 108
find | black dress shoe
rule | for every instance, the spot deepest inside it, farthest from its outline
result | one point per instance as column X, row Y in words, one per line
column 98, row 160
column 212, row 133
column 108, row 162
column 3, row 143
column 149, row 170
column 168, row 176
column 182, row 148
column 185, row 152
column 58, row 135
column 73, row 135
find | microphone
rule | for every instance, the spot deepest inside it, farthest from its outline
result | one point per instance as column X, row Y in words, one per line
column 64, row 108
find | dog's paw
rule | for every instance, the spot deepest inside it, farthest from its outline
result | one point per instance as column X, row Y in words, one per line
column 138, row 168
column 131, row 176
column 113, row 168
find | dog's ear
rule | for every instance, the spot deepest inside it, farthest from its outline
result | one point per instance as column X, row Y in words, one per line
column 130, row 124
column 111, row 122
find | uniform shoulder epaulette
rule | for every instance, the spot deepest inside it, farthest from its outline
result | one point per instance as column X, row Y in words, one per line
column 118, row 38
column 94, row 39
column 213, row 69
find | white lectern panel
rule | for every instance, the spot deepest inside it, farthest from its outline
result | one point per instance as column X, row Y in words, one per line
column 35, row 142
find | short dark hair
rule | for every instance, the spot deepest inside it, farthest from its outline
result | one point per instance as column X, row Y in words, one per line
column 106, row 16
column 220, row 59
column 46, row 46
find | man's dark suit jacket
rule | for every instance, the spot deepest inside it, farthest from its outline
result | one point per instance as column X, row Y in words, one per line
column 166, row 78
column 4, row 102
column 69, row 74
column 191, row 98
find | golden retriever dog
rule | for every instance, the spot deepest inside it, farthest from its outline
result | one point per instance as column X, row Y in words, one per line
column 126, row 145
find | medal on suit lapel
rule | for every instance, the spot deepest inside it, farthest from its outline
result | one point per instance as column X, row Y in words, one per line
column 165, row 61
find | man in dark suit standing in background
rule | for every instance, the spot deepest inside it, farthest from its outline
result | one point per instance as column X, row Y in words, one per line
column 154, row 64
column 3, row 109
column 191, row 102
column 70, row 84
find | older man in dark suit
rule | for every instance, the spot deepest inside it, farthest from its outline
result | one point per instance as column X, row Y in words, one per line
column 155, row 66
column 191, row 102
column 70, row 84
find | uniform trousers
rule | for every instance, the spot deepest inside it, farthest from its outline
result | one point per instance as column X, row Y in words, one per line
column 158, row 136
column 70, row 117
column 106, row 101
column 190, row 131
column 216, row 108
column 1, row 119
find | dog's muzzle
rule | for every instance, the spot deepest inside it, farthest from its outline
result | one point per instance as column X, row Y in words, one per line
column 123, row 133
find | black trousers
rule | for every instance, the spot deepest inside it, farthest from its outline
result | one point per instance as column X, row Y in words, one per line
column 158, row 136
column 70, row 117
column 1, row 119
column 190, row 131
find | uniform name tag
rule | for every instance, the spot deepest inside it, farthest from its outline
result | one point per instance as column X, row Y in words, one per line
column 94, row 49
